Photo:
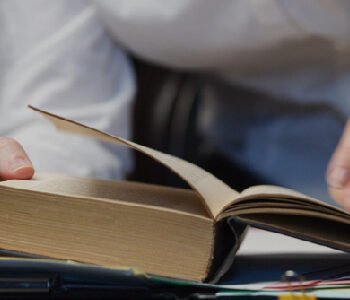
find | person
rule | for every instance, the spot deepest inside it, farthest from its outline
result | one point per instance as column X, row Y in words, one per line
column 294, row 53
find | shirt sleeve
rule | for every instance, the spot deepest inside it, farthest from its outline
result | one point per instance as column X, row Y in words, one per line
column 58, row 57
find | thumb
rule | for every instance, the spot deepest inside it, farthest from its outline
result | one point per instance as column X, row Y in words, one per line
column 14, row 162
column 338, row 172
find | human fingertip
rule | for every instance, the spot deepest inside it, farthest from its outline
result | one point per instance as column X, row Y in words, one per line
column 18, row 163
column 22, row 173
column 347, row 204
column 338, row 177
column 346, row 197
column 18, row 168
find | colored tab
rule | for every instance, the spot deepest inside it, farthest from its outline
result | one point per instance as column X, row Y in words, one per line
column 291, row 296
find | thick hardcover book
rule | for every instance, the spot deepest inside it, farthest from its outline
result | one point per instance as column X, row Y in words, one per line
column 190, row 234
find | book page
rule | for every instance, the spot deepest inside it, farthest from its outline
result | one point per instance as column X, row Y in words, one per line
column 271, row 189
column 104, row 232
column 133, row 193
column 289, row 212
column 277, row 193
column 214, row 192
column 331, row 231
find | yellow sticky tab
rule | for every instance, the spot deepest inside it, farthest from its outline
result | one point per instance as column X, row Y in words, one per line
column 297, row 297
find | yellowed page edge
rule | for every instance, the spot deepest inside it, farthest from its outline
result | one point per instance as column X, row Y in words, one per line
column 277, row 192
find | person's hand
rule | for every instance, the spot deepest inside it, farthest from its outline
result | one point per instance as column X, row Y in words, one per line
column 14, row 162
column 338, row 172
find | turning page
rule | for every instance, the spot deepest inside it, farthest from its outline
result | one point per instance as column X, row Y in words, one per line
column 214, row 192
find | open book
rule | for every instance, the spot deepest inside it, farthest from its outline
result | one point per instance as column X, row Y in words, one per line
column 189, row 234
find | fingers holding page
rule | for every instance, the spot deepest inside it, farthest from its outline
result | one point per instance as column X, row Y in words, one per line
column 14, row 162
column 338, row 173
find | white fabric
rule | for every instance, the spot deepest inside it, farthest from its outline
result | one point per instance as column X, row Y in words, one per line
column 58, row 56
